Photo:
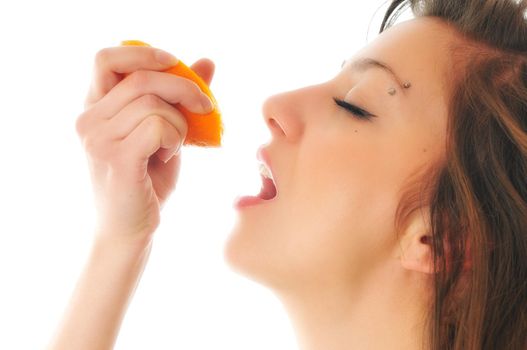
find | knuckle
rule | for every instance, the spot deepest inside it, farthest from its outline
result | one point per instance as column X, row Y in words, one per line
column 196, row 90
column 138, row 80
column 189, row 88
column 155, row 123
column 80, row 125
column 90, row 145
column 101, row 57
column 151, row 101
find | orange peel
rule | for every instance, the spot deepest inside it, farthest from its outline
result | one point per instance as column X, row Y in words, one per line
column 204, row 130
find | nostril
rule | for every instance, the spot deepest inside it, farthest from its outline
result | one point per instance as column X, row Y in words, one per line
column 274, row 125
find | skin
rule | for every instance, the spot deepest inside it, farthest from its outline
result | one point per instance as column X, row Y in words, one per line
column 327, row 245
column 328, row 248
column 132, row 136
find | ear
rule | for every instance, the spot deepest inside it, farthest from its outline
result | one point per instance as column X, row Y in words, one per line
column 415, row 249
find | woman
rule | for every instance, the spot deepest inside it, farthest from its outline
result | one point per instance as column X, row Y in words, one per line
column 400, row 218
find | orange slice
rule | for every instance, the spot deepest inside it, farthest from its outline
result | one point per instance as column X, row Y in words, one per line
column 203, row 129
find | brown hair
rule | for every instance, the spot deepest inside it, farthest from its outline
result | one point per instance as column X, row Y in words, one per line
column 478, row 198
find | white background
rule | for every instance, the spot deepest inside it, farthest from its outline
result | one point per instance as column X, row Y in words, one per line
column 188, row 298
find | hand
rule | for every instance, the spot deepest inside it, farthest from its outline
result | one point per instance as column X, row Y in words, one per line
column 132, row 135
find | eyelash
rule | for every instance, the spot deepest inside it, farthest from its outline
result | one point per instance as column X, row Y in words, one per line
column 356, row 111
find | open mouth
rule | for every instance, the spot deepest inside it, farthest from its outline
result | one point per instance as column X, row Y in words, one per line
column 268, row 190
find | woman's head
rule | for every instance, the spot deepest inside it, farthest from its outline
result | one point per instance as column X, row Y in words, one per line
column 432, row 189
column 339, row 176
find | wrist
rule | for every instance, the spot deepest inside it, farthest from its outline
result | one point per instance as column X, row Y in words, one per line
column 122, row 243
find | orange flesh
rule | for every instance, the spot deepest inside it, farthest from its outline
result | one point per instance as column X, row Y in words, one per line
column 203, row 129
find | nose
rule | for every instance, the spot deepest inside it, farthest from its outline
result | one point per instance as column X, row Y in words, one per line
column 282, row 114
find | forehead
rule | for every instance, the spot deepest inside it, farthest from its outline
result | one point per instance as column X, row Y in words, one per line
column 418, row 51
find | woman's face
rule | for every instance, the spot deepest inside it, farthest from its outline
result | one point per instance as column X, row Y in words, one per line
column 339, row 177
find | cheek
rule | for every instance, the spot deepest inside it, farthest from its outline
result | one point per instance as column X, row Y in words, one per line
column 335, row 217
column 342, row 208
column 353, row 179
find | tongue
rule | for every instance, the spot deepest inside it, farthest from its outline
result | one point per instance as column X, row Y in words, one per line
column 268, row 190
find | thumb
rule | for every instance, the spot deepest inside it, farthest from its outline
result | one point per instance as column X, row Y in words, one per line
column 204, row 67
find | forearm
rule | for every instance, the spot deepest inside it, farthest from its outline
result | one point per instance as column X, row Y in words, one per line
column 101, row 296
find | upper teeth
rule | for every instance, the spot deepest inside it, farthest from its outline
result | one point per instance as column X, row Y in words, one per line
column 265, row 171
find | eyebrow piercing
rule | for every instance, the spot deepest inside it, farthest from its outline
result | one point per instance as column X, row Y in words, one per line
column 392, row 90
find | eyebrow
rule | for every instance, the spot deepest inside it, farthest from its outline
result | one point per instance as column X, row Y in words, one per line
column 365, row 63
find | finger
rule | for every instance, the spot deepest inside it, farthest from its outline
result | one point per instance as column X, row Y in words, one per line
column 129, row 118
column 166, row 154
column 113, row 62
column 171, row 88
column 205, row 69
column 153, row 133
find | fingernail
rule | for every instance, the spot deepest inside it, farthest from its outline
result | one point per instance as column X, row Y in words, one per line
column 165, row 58
column 206, row 103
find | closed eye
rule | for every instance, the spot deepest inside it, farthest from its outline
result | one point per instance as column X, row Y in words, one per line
column 359, row 113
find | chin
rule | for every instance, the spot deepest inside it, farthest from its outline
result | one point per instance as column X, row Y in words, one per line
column 246, row 255
column 240, row 255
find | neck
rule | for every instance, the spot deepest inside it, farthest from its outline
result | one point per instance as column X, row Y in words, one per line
column 376, row 316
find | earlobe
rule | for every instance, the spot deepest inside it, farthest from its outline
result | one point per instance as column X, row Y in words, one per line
column 416, row 253
column 415, row 250
column 415, row 246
